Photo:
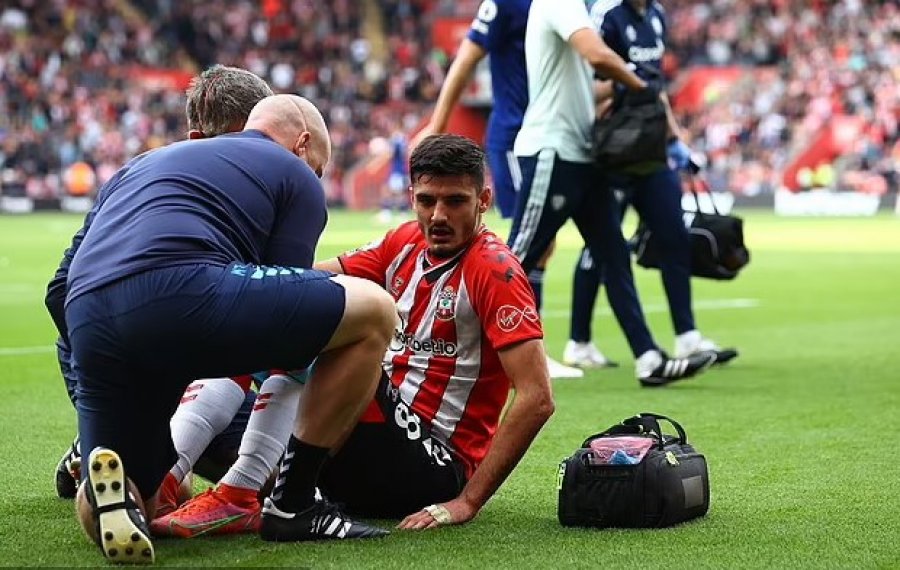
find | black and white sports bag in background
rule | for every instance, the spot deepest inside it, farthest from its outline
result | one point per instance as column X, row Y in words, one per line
column 717, row 243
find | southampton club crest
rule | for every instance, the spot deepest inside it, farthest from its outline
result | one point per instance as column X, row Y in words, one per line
column 396, row 286
column 445, row 304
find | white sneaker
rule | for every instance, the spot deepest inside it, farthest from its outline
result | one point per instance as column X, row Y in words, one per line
column 692, row 342
column 585, row 355
column 560, row 370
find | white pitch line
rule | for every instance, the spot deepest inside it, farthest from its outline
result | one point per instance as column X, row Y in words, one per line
column 24, row 350
column 711, row 304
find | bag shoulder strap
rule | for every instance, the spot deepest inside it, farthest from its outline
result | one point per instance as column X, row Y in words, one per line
column 692, row 186
column 645, row 423
column 649, row 421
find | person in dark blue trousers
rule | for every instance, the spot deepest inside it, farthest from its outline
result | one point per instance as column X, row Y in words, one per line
column 635, row 29
column 559, row 179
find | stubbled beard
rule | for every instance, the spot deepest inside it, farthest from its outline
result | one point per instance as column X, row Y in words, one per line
column 444, row 254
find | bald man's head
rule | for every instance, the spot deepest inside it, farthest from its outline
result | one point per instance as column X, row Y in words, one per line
column 297, row 125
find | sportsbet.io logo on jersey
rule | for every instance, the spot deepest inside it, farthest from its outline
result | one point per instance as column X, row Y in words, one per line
column 438, row 347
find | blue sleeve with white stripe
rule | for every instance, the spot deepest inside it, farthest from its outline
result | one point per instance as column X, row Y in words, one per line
column 489, row 26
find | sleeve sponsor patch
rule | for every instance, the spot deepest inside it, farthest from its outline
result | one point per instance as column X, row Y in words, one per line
column 509, row 317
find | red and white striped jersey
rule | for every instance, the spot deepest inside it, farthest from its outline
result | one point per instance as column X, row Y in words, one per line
column 457, row 314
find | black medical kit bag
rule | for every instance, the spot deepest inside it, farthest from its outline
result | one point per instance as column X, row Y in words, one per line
column 649, row 480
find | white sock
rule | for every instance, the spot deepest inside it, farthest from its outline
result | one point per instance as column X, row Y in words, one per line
column 647, row 363
column 268, row 430
column 206, row 408
column 687, row 343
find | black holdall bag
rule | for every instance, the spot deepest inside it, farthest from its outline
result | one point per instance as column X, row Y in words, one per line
column 717, row 243
column 634, row 132
column 668, row 485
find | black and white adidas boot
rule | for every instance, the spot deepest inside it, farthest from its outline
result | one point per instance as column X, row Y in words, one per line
column 322, row 521
column 725, row 355
column 122, row 532
column 673, row 369
column 692, row 342
column 68, row 471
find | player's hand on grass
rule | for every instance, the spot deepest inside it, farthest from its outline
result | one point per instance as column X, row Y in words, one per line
column 457, row 511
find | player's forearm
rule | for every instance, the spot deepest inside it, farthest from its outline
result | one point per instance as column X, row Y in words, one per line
column 609, row 64
column 457, row 79
column 458, row 76
column 332, row 264
column 523, row 421
column 675, row 129
column 603, row 59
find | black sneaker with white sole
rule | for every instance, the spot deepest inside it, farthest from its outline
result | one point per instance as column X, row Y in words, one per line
column 122, row 532
column 673, row 369
column 68, row 472
column 322, row 521
column 725, row 355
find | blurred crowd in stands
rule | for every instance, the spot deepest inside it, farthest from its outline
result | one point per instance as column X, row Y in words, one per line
column 68, row 93
column 808, row 61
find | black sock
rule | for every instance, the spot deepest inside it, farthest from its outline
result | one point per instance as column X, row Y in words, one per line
column 295, row 489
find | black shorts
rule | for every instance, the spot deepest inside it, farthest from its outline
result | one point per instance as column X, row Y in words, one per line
column 384, row 471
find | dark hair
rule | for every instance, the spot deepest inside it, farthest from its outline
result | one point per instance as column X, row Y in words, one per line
column 447, row 155
column 220, row 99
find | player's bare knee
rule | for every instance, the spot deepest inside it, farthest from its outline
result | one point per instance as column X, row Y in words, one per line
column 380, row 312
column 385, row 316
column 368, row 306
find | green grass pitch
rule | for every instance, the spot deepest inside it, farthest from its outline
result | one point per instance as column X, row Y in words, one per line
column 800, row 432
